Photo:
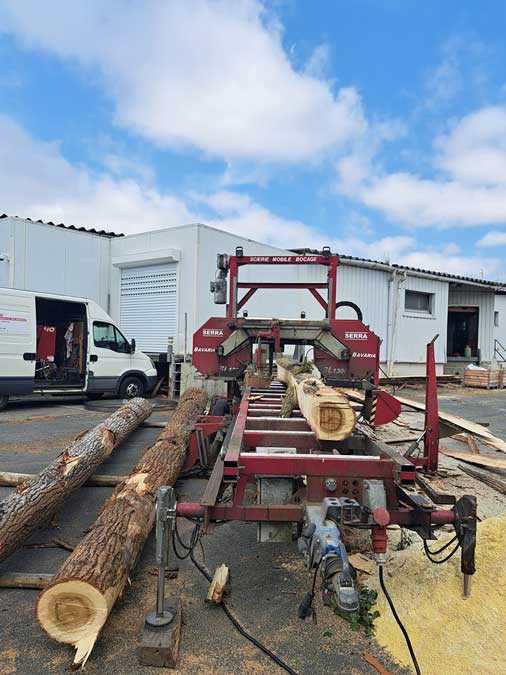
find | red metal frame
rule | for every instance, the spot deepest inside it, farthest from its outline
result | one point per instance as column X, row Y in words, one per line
column 242, row 465
column 209, row 424
column 331, row 261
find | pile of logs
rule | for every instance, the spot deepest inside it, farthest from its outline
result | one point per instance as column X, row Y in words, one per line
column 75, row 606
column 33, row 503
column 75, row 603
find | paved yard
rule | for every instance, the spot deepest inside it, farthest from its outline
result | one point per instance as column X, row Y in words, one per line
column 268, row 581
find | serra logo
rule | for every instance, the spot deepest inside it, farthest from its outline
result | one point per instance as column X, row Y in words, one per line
column 355, row 336
column 212, row 332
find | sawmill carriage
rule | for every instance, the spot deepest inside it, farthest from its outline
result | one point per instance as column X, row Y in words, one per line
column 311, row 468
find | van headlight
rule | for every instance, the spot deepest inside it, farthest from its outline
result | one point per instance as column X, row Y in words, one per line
column 153, row 365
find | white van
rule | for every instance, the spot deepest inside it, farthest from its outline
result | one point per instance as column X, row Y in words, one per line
column 57, row 344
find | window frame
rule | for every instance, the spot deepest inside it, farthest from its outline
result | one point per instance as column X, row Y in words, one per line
column 419, row 312
column 116, row 331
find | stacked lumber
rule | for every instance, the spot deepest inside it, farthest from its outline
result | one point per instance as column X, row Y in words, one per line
column 326, row 409
column 32, row 503
column 75, row 606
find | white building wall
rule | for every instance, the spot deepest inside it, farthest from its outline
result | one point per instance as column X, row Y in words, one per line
column 415, row 330
column 195, row 248
column 485, row 300
column 55, row 260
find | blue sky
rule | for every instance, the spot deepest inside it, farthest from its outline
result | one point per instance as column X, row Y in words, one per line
column 378, row 127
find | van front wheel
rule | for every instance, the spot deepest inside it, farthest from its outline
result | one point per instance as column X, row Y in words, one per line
column 4, row 399
column 131, row 387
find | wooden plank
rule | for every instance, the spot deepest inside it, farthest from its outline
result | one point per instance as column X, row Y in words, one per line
column 24, row 580
column 461, row 423
column 10, row 479
column 496, row 483
column 219, row 584
column 479, row 460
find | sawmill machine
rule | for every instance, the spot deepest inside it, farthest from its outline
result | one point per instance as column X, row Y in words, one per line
column 322, row 486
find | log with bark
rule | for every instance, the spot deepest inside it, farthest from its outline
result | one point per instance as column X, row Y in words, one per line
column 74, row 608
column 326, row 409
column 33, row 503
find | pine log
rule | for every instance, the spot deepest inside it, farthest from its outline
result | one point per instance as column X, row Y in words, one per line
column 32, row 503
column 325, row 408
column 74, row 608
column 11, row 479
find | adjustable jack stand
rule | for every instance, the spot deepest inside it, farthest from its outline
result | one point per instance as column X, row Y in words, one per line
column 162, row 628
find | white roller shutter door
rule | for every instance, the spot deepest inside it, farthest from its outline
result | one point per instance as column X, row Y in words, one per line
column 148, row 305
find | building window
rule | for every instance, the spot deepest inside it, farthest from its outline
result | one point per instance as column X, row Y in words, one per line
column 414, row 301
column 496, row 319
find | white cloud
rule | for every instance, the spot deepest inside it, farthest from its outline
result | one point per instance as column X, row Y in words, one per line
column 493, row 239
column 210, row 74
column 37, row 181
column 471, row 189
column 445, row 81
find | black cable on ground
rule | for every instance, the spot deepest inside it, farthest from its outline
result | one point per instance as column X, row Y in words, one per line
column 430, row 553
column 399, row 622
column 238, row 626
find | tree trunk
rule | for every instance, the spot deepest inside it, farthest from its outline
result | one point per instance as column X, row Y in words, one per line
column 31, row 504
column 326, row 409
column 75, row 606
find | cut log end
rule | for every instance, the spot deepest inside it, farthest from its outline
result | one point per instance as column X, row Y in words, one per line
column 73, row 612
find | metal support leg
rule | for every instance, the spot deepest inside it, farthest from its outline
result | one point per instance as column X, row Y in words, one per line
column 165, row 518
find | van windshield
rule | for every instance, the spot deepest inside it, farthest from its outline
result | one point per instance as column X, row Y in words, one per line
column 107, row 336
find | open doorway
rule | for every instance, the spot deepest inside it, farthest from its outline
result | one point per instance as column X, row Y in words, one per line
column 462, row 335
column 61, row 344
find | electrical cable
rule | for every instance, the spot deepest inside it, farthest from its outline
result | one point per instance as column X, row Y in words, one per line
column 284, row 666
column 440, row 550
column 399, row 622
column 440, row 562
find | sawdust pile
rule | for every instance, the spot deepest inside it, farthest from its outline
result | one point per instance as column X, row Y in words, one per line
column 449, row 634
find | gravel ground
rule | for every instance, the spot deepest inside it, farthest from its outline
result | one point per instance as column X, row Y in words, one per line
column 268, row 580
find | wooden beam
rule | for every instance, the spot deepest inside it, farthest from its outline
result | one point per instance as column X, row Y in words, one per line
column 11, row 479
column 496, row 483
column 24, row 580
column 472, row 458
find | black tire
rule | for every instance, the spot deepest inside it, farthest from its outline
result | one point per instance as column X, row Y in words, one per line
column 4, row 400
column 95, row 396
column 131, row 387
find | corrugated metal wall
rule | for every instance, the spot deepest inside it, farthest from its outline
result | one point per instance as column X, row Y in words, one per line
column 485, row 302
column 414, row 330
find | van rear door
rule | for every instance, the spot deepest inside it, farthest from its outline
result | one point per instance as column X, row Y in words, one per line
column 18, row 343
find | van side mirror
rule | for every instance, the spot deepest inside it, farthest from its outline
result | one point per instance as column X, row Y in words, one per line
column 132, row 346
